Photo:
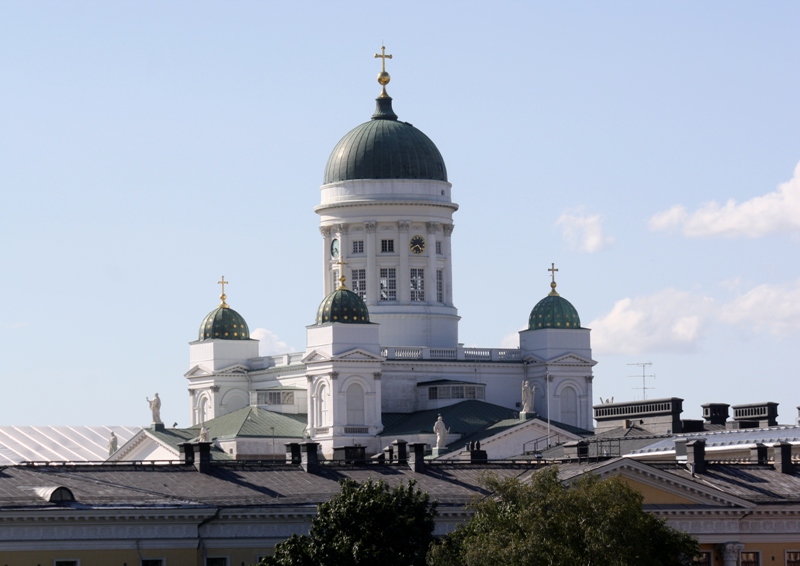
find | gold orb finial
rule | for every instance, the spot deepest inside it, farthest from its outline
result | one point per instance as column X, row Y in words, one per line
column 341, row 263
column 383, row 76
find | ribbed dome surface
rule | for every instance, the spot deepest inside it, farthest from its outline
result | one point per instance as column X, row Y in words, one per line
column 385, row 148
column 554, row 311
column 342, row 306
column 224, row 323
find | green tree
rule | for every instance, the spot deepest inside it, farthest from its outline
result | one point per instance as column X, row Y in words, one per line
column 545, row 523
column 365, row 524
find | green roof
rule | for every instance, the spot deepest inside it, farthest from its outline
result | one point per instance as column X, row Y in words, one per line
column 224, row 323
column 255, row 422
column 385, row 148
column 554, row 311
column 465, row 418
column 342, row 306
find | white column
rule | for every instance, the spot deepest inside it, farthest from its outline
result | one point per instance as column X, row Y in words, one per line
column 404, row 273
column 373, row 287
column 326, row 253
column 448, row 262
column 345, row 247
column 730, row 553
column 430, row 291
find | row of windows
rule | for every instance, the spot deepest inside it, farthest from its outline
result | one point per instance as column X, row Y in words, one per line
column 749, row 558
column 275, row 398
column 388, row 283
column 456, row 392
column 387, row 247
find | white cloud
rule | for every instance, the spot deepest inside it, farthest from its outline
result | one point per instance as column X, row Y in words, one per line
column 775, row 212
column 584, row 232
column 766, row 308
column 667, row 321
column 269, row 344
column 510, row 340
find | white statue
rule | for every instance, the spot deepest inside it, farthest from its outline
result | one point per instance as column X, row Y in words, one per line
column 441, row 433
column 203, row 433
column 155, row 407
column 112, row 444
column 527, row 397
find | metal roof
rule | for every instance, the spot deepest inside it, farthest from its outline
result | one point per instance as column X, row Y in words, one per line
column 59, row 443
column 723, row 438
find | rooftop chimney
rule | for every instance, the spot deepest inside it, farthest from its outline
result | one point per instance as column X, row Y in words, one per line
column 400, row 451
column 203, row 461
column 416, row 457
column 293, row 453
column 782, row 455
column 309, row 459
column 755, row 415
column 758, row 454
column 696, row 455
column 715, row 413
column 576, row 450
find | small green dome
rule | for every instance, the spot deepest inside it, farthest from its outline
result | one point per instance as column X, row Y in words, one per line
column 342, row 306
column 224, row 323
column 554, row 311
column 385, row 148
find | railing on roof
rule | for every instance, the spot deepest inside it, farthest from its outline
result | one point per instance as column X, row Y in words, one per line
column 460, row 353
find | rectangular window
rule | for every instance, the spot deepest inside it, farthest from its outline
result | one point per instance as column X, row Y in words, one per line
column 388, row 277
column 438, row 248
column 417, row 284
column 457, row 392
column 749, row 559
column 433, row 392
column 358, row 246
column 387, row 246
column 152, row 562
column 793, row 558
column 439, row 286
column 358, row 281
column 218, row 561
column 469, row 392
column 335, row 274
column 276, row 397
column 66, row 563
column 703, row 559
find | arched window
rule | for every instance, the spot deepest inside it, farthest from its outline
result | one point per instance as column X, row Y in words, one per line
column 203, row 409
column 355, row 404
column 569, row 406
column 322, row 406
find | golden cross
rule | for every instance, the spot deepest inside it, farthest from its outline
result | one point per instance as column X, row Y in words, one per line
column 341, row 263
column 552, row 271
column 222, row 297
column 223, row 283
column 383, row 57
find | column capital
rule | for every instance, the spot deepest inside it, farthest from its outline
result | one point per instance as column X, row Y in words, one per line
column 730, row 550
column 334, row 375
column 325, row 231
column 343, row 228
column 404, row 225
column 370, row 226
column 309, row 378
column 377, row 375
column 432, row 227
column 447, row 228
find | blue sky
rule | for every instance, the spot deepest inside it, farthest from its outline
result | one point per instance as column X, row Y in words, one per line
column 648, row 149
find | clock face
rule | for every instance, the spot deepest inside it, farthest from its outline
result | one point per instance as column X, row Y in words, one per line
column 335, row 248
column 417, row 244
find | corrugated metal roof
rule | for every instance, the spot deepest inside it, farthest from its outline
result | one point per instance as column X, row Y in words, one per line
column 59, row 443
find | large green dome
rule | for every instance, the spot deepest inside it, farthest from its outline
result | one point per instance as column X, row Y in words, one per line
column 554, row 311
column 224, row 323
column 385, row 148
column 342, row 306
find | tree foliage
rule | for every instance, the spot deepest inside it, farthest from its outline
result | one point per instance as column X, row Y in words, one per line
column 365, row 524
column 545, row 523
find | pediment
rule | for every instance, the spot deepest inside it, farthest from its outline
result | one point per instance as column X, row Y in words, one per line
column 358, row 355
column 235, row 368
column 572, row 359
column 531, row 359
column 670, row 484
column 315, row 357
column 197, row 371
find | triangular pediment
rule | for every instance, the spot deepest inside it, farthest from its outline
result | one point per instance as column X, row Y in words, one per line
column 572, row 359
column 358, row 355
column 197, row 371
column 235, row 368
column 315, row 357
column 531, row 359
column 670, row 485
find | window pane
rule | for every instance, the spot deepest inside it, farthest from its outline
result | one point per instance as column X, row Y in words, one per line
column 388, row 279
column 358, row 281
column 749, row 559
column 417, row 284
column 457, row 392
column 358, row 246
column 433, row 392
column 439, row 285
column 387, row 246
column 216, row 562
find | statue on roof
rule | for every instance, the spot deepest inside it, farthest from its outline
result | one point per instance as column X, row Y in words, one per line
column 203, row 433
column 113, row 443
column 155, row 408
column 441, row 433
column 527, row 396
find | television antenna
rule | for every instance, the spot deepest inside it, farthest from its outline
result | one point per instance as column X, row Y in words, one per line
column 644, row 377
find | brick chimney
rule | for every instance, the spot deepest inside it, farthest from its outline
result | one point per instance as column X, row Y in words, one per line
column 715, row 413
column 416, row 457
column 400, row 451
column 758, row 454
column 782, row 456
column 309, row 459
column 696, row 455
column 293, row 453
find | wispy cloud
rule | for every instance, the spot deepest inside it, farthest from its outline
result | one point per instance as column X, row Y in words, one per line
column 775, row 212
column 584, row 232
column 269, row 344
column 667, row 321
column 767, row 308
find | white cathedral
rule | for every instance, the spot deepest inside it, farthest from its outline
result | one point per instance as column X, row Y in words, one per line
column 385, row 343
